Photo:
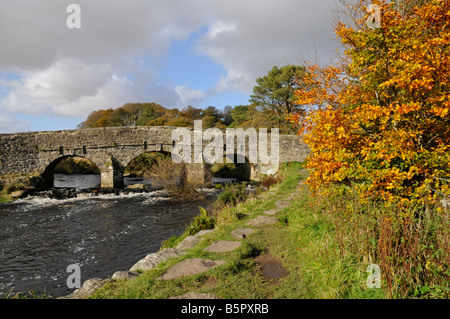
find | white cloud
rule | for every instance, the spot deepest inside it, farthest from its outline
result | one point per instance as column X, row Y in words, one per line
column 106, row 62
column 189, row 96
column 265, row 33
column 37, row 34
column 73, row 88
column 218, row 27
column 9, row 124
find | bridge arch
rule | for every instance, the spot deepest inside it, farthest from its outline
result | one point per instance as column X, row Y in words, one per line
column 142, row 165
column 47, row 175
column 240, row 169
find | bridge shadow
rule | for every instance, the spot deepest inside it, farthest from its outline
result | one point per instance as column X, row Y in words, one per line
column 153, row 170
column 67, row 167
column 238, row 170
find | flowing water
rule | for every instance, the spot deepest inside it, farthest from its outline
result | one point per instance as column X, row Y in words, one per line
column 40, row 237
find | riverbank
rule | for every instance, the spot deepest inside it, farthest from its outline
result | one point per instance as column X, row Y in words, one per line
column 294, row 255
column 5, row 199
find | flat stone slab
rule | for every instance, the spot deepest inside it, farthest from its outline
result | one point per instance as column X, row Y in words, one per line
column 152, row 260
column 196, row 295
column 282, row 203
column 204, row 232
column 190, row 267
column 293, row 196
column 262, row 220
column 189, row 242
column 223, row 246
column 241, row 233
column 272, row 211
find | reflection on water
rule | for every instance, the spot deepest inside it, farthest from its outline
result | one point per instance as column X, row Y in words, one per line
column 93, row 181
column 76, row 181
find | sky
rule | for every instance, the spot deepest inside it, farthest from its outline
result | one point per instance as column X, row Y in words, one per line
column 173, row 52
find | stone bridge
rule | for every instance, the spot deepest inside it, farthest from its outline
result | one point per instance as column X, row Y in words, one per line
column 34, row 155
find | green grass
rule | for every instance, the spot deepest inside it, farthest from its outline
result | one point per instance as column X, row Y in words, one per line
column 5, row 199
column 304, row 240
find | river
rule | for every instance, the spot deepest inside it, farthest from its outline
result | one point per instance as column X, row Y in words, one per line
column 40, row 237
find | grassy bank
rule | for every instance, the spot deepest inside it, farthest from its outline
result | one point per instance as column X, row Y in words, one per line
column 5, row 198
column 305, row 241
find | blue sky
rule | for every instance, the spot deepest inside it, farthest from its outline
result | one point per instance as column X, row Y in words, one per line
column 173, row 52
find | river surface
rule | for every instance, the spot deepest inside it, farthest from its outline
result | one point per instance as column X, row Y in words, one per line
column 41, row 237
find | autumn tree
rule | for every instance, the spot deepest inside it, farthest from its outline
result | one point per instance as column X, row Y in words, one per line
column 380, row 119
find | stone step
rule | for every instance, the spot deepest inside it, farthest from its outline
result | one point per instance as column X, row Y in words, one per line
column 241, row 233
column 262, row 220
column 190, row 267
column 272, row 211
column 282, row 203
column 222, row 246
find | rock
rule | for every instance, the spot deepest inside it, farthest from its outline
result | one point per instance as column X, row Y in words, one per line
column 18, row 194
column 188, row 243
column 204, row 232
column 123, row 275
column 88, row 288
column 152, row 260
column 192, row 241
column 293, row 196
column 223, row 246
column 282, row 203
column 262, row 220
column 272, row 211
column 241, row 233
column 137, row 186
column 190, row 267
column 196, row 295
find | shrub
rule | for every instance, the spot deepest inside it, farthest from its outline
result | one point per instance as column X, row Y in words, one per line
column 203, row 221
column 270, row 180
column 410, row 245
column 172, row 177
column 232, row 194
column 15, row 186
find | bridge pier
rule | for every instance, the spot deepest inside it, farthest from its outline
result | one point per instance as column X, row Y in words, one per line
column 111, row 173
column 196, row 173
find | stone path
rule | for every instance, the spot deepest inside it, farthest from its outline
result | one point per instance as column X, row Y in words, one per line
column 241, row 233
column 272, row 211
column 223, row 246
column 189, row 267
column 262, row 220
column 194, row 266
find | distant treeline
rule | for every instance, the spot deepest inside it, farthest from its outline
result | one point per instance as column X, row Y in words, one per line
column 272, row 102
column 152, row 114
column 76, row 165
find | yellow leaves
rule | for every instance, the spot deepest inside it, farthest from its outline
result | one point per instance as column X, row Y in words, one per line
column 390, row 128
column 406, row 108
column 441, row 111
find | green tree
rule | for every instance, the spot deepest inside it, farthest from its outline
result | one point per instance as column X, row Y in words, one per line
column 275, row 91
column 239, row 115
column 147, row 115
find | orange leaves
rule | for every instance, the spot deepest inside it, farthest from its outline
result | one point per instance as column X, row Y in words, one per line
column 382, row 117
